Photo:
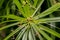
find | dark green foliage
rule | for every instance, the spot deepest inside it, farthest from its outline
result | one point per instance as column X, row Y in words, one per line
column 25, row 19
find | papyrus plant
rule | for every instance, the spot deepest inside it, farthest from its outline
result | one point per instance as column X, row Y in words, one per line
column 30, row 23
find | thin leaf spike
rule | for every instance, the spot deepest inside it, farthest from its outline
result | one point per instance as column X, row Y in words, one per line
column 49, row 11
column 19, row 6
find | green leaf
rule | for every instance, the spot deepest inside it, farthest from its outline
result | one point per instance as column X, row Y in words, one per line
column 30, row 35
column 49, row 31
column 45, row 20
column 35, row 2
column 38, row 7
column 40, row 31
column 33, row 34
column 2, row 16
column 8, row 21
column 7, row 7
column 11, row 16
column 27, row 10
column 52, row 2
column 19, row 5
column 38, row 35
column 25, row 36
column 45, row 35
column 7, row 26
column 15, row 17
column 1, row 2
column 48, row 11
column 21, row 33
column 22, row 1
column 14, row 32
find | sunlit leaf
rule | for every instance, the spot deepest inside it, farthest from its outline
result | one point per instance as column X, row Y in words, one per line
column 19, row 5
column 38, row 7
column 48, row 11
column 30, row 35
column 45, row 20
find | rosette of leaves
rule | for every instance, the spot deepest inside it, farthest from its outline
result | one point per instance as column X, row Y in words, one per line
column 30, row 25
